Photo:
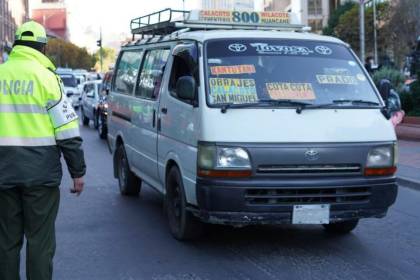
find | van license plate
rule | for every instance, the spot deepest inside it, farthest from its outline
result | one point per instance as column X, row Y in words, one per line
column 311, row 214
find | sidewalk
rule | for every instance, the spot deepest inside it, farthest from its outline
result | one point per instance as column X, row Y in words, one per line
column 409, row 129
column 408, row 132
column 409, row 163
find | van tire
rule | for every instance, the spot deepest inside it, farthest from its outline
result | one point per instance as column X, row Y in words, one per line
column 182, row 223
column 128, row 182
column 96, row 120
column 85, row 120
column 341, row 227
column 102, row 128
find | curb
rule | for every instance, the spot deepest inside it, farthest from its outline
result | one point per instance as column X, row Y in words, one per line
column 409, row 183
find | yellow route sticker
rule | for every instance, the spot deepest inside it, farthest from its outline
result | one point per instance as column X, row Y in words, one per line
column 337, row 79
column 223, row 90
column 233, row 69
column 293, row 91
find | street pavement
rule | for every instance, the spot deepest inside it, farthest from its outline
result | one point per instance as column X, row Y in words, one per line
column 102, row 235
column 409, row 161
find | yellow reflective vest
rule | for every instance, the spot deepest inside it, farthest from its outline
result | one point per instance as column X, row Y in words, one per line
column 35, row 118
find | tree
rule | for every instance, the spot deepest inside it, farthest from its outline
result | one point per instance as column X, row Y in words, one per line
column 403, row 27
column 348, row 28
column 335, row 17
column 66, row 54
column 108, row 56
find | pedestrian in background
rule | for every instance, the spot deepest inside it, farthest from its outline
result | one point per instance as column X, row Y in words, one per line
column 37, row 125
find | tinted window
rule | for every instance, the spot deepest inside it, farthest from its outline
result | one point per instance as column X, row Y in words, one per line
column 69, row 80
column 151, row 75
column 179, row 69
column 89, row 90
column 248, row 71
column 127, row 70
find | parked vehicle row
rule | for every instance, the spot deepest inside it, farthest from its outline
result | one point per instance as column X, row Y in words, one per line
column 74, row 81
column 94, row 104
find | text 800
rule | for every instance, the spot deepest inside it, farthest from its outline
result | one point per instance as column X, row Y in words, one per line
column 245, row 17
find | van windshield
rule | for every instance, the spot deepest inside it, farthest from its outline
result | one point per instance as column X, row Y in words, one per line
column 69, row 80
column 256, row 71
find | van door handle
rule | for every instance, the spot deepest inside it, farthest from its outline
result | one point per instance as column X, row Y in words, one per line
column 164, row 110
column 154, row 118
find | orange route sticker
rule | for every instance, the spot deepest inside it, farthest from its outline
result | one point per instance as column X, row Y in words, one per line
column 233, row 69
column 293, row 91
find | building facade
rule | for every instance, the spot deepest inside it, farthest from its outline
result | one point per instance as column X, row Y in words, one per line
column 53, row 15
column 314, row 13
column 12, row 14
column 227, row 4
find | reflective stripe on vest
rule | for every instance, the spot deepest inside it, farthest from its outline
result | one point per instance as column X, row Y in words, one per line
column 22, row 108
column 27, row 142
column 67, row 134
column 62, row 113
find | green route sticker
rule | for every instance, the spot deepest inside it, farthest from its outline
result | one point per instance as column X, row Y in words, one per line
column 224, row 90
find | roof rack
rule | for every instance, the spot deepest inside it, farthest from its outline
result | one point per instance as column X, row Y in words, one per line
column 168, row 21
column 158, row 23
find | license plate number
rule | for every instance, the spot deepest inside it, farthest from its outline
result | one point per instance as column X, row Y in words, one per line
column 311, row 214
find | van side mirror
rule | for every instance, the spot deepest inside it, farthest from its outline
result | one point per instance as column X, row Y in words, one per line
column 185, row 88
column 394, row 102
column 391, row 98
column 385, row 89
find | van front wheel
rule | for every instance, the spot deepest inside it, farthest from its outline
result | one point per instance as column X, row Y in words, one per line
column 341, row 227
column 128, row 182
column 182, row 224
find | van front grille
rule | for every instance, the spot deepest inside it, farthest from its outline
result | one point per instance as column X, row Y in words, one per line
column 293, row 196
column 310, row 169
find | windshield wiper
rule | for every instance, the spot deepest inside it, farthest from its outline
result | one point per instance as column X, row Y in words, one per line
column 356, row 102
column 264, row 102
column 337, row 102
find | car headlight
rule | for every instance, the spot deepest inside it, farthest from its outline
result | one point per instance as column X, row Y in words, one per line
column 382, row 160
column 216, row 161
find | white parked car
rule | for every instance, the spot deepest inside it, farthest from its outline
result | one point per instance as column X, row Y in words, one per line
column 71, row 88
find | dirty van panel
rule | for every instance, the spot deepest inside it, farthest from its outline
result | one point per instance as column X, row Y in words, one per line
column 144, row 111
column 121, row 95
column 180, row 123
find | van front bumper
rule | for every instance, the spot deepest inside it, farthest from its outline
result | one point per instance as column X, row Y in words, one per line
column 271, row 201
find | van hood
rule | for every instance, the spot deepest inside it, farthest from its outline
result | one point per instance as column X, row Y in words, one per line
column 286, row 126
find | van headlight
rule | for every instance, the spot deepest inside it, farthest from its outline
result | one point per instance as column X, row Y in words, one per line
column 382, row 161
column 217, row 161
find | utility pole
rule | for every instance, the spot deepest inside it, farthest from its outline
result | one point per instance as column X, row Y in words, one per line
column 362, row 30
column 375, row 42
column 99, row 44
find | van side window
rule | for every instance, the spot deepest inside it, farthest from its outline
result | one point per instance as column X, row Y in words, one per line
column 128, row 67
column 179, row 69
column 152, row 73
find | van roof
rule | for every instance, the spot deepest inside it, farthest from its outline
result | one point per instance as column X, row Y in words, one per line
column 203, row 25
column 202, row 36
column 205, row 35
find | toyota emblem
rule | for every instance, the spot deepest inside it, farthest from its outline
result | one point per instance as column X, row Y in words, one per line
column 324, row 50
column 312, row 154
column 237, row 47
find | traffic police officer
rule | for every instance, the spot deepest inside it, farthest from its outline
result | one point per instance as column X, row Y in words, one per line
column 37, row 125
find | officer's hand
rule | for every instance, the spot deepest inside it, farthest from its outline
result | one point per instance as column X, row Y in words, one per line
column 78, row 184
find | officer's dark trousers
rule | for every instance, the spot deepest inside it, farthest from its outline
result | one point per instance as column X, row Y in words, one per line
column 29, row 212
